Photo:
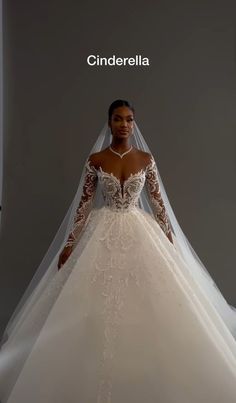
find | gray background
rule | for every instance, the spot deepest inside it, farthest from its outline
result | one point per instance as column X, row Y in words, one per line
column 55, row 105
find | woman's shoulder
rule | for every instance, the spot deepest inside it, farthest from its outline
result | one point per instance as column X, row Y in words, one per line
column 145, row 156
column 95, row 159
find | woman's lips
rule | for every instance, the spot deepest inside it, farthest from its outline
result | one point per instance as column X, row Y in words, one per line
column 123, row 131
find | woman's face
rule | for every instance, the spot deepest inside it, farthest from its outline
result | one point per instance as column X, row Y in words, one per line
column 122, row 122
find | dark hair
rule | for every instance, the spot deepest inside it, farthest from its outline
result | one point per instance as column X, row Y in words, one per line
column 117, row 104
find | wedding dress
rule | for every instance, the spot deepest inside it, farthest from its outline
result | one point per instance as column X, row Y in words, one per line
column 128, row 324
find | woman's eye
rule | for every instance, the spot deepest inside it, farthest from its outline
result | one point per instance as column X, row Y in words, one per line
column 118, row 119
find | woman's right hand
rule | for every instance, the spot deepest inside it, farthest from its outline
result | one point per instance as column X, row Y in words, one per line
column 64, row 256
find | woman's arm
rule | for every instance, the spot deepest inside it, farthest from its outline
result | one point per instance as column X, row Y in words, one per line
column 82, row 211
column 155, row 198
column 86, row 201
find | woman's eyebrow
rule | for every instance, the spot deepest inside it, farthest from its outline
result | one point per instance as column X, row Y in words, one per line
column 128, row 116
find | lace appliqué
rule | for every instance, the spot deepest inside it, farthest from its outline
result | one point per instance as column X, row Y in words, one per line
column 85, row 205
column 114, row 274
column 119, row 196
column 153, row 188
column 112, row 278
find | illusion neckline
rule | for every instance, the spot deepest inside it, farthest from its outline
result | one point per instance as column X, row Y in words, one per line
column 131, row 175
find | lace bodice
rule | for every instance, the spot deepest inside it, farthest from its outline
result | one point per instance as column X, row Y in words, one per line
column 119, row 196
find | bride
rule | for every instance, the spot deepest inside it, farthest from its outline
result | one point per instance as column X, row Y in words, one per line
column 125, row 312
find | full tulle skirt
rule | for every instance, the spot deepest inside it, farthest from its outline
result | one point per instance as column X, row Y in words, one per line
column 128, row 325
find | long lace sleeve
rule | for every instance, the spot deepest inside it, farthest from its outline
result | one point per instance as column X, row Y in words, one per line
column 153, row 188
column 85, row 205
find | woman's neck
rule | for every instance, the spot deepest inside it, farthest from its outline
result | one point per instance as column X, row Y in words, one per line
column 120, row 145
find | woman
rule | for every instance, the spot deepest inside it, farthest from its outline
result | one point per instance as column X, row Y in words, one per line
column 128, row 320
column 121, row 121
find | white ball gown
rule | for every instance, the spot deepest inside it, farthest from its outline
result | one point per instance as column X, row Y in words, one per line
column 128, row 323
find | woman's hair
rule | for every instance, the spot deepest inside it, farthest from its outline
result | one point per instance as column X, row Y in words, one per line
column 117, row 104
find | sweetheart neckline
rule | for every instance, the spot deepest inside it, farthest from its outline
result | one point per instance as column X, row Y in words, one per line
column 132, row 175
column 142, row 171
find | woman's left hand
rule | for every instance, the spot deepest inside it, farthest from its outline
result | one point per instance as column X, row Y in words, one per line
column 169, row 236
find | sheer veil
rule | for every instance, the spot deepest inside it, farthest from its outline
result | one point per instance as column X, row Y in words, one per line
column 12, row 339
